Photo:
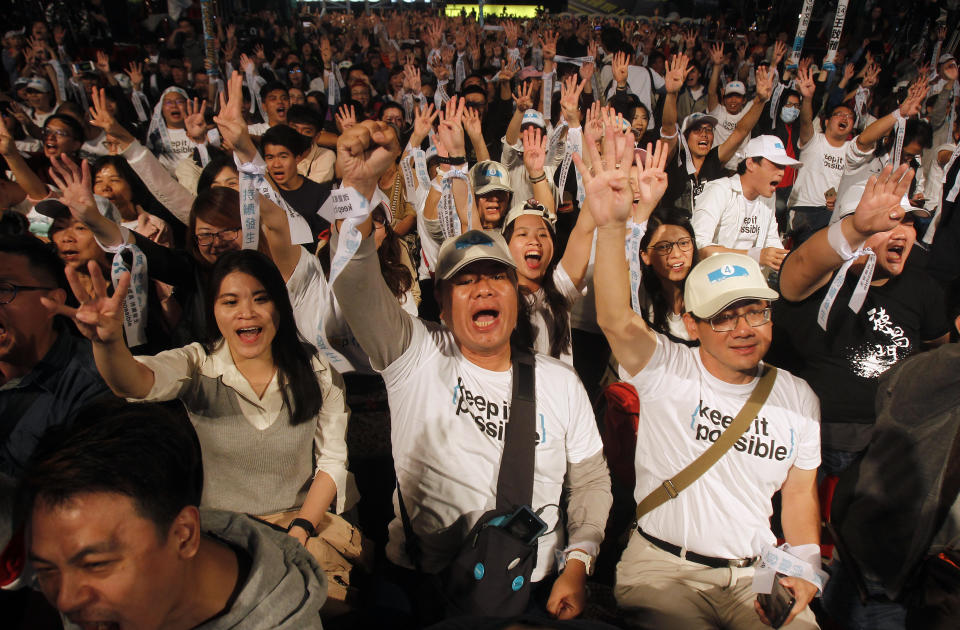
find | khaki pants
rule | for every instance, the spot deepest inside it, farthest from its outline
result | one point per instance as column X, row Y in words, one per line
column 659, row 590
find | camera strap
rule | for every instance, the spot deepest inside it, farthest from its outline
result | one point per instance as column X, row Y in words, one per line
column 515, row 479
column 671, row 488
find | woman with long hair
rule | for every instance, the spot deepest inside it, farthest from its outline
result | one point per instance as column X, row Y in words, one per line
column 269, row 412
column 668, row 251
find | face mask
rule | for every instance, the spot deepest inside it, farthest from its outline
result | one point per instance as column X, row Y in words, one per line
column 789, row 114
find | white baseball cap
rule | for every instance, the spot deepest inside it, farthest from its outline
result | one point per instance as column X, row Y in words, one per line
column 735, row 87
column 770, row 147
column 533, row 117
column 718, row 281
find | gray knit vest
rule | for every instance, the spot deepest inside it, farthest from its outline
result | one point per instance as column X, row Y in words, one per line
column 245, row 469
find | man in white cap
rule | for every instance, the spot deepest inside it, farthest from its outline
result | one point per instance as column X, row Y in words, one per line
column 737, row 213
column 698, row 158
column 448, row 388
column 734, row 106
column 689, row 563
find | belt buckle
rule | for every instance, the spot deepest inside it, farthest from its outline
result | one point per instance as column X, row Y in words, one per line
column 741, row 563
column 671, row 489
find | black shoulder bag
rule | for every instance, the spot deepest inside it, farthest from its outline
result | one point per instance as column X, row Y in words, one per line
column 490, row 575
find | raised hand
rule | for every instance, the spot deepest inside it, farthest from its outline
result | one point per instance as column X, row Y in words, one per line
column 411, row 78
column 195, row 124
column 879, row 208
column 450, row 131
column 101, row 117
column 716, row 54
column 99, row 317
column 135, row 72
column 764, row 82
column 805, row 83
column 549, row 45
column 651, row 178
column 472, row 122
column 509, row 70
column 365, row 152
column 570, row 92
column 620, row 67
column 912, row 105
column 16, row 110
column 523, row 97
column 423, row 122
column 593, row 125
column 779, row 51
column 103, row 62
column 76, row 188
column 871, row 76
column 230, row 120
column 587, row 69
column 534, row 150
column 677, row 71
column 608, row 193
column 346, row 117
column 8, row 146
column 246, row 63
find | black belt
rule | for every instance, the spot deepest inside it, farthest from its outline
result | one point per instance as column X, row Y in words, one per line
column 716, row 563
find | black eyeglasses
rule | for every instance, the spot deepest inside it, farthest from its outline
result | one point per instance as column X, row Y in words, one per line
column 726, row 322
column 8, row 291
column 665, row 247
column 206, row 238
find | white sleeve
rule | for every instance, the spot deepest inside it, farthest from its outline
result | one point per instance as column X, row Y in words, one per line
column 583, row 438
column 330, row 437
column 854, row 157
column 174, row 197
column 656, row 374
column 708, row 207
column 172, row 371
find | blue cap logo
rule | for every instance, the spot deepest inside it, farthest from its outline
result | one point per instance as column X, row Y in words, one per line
column 726, row 271
column 475, row 238
column 493, row 173
column 778, row 145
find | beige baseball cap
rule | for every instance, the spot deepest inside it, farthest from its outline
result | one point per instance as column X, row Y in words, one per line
column 718, row 281
column 470, row 247
column 531, row 207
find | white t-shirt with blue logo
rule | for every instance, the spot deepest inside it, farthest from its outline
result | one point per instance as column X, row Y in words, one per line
column 683, row 410
column 822, row 169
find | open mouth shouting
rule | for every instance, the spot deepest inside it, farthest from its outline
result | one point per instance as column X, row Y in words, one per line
column 533, row 258
column 250, row 335
column 282, row 113
column 485, row 319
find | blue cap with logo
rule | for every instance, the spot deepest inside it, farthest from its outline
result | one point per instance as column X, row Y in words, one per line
column 488, row 176
column 720, row 280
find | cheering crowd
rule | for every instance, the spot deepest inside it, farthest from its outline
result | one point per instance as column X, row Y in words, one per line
column 397, row 320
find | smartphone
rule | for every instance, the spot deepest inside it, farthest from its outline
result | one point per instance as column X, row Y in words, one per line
column 778, row 603
column 524, row 525
column 84, row 66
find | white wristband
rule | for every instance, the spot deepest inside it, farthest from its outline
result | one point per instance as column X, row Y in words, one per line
column 664, row 136
column 838, row 242
column 897, row 116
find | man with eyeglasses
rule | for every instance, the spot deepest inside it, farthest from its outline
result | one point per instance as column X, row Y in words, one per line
column 46, row 373
column 689, row 562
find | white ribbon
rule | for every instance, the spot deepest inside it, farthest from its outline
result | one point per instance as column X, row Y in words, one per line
column 135, row 301
column 554, row 143
column 955, row 189
column 440, row 96
column 859, row 292
column 300, row 231
column 138, row 99
column 860, row 102
column 255, row 103
column 61, row 78
column 415, row 162
column 203, row 153
column 934, row 61
column 788, row 561
column 460, row 72
column 447, row 206
column 835, row 33
column 349, row 205
column 801, row 33
column 577, row 61
column 333, row 86
column 898, row 143
column 573, row 144
column 547, row 96
column 775, row 101
column 249, row 208
column 635, row 232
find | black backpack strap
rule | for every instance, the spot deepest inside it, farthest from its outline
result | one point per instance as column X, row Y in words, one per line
column 515, row 481
column 411, row 544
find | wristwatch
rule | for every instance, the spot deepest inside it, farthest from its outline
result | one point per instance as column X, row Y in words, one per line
column 583, row 557
column 303, row 523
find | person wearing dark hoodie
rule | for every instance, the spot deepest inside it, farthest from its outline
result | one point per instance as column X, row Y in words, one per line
column 116, row 539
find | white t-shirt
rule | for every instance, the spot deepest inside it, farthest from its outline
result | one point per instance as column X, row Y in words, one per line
column 180, row 147
column 313, row 301
column 258, row 129
column 822, row 169
column 749, row 234
column 934, row 190
column 683, row 409
column 726, row 123
column 539, row 310
column 448, row 416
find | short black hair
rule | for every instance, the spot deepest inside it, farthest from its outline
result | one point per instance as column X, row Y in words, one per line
column 474, row 89
column 304, row 115
column 75, row 127
column 144, row 451
column 44, row 262
column 285, row 136
column 271, row 86
column 742, row 166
